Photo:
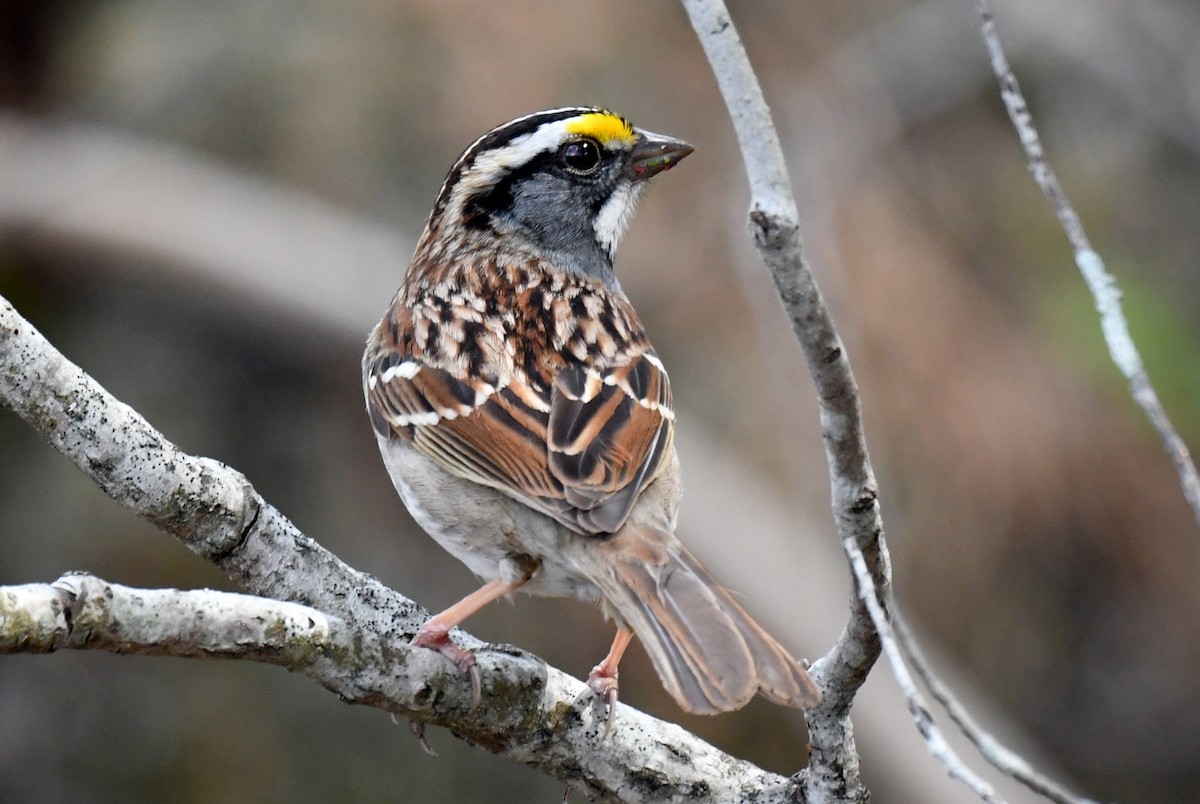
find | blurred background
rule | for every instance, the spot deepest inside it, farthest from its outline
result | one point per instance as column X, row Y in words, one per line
column 207, row 206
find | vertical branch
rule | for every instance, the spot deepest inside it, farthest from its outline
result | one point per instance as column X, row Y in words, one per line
column 1103, row 286
column 776, row 232
column 834, row 768
column 833, row 773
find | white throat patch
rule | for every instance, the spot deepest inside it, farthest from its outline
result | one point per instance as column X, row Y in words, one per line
column 615, row 214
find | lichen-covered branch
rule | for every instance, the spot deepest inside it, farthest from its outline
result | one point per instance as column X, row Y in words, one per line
column 83, row 612
column 529, row 712
column 1100, row 282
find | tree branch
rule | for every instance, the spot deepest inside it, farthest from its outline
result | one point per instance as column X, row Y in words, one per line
column 530, row 712
column 774, row 223
column 833, row 773
column 776, row 233
column 86, row 613
column 1100, row 282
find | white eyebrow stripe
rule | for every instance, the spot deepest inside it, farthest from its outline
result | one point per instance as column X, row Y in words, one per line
column 491, row 166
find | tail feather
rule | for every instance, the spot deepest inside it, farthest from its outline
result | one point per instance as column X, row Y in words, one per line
column 681, row 666
column 711, row 655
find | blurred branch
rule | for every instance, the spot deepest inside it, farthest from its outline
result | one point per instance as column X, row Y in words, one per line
column 120, row 195
column 530, row 712
column 1001, row 757
column 1101, row 283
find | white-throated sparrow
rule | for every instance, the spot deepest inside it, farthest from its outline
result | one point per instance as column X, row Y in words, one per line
column 527, row 423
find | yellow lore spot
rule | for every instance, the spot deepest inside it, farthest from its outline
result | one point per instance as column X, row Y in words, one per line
column 606, row 127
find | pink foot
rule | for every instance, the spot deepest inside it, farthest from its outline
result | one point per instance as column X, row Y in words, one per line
column 604, row 683
column 435, row 636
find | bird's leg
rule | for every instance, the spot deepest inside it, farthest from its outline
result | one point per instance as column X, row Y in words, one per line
column 603, row 678
column 435, row 632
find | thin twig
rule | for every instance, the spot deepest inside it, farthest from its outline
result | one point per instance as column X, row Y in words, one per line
column 774, row 225
column 833, row 771
column 917, row 707
column 1000, row 756
column 774, row 221
column 1103, row 286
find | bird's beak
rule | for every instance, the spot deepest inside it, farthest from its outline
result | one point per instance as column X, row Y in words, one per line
column 655, row 153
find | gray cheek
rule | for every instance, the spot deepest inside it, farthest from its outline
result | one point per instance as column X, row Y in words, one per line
column 556, row 216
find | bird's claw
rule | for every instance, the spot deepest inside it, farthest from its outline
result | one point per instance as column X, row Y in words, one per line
column 439, row 639
column 605, row 685
column 417, row 727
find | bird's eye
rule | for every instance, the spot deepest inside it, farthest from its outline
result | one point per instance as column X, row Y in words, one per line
column 580, row 156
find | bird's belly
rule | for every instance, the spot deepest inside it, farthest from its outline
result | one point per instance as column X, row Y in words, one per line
column 493, row 534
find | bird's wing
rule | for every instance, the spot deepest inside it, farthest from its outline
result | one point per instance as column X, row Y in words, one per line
column 581, row 451
column 609, row 434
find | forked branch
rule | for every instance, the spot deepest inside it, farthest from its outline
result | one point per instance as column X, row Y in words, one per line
column 774, row 223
